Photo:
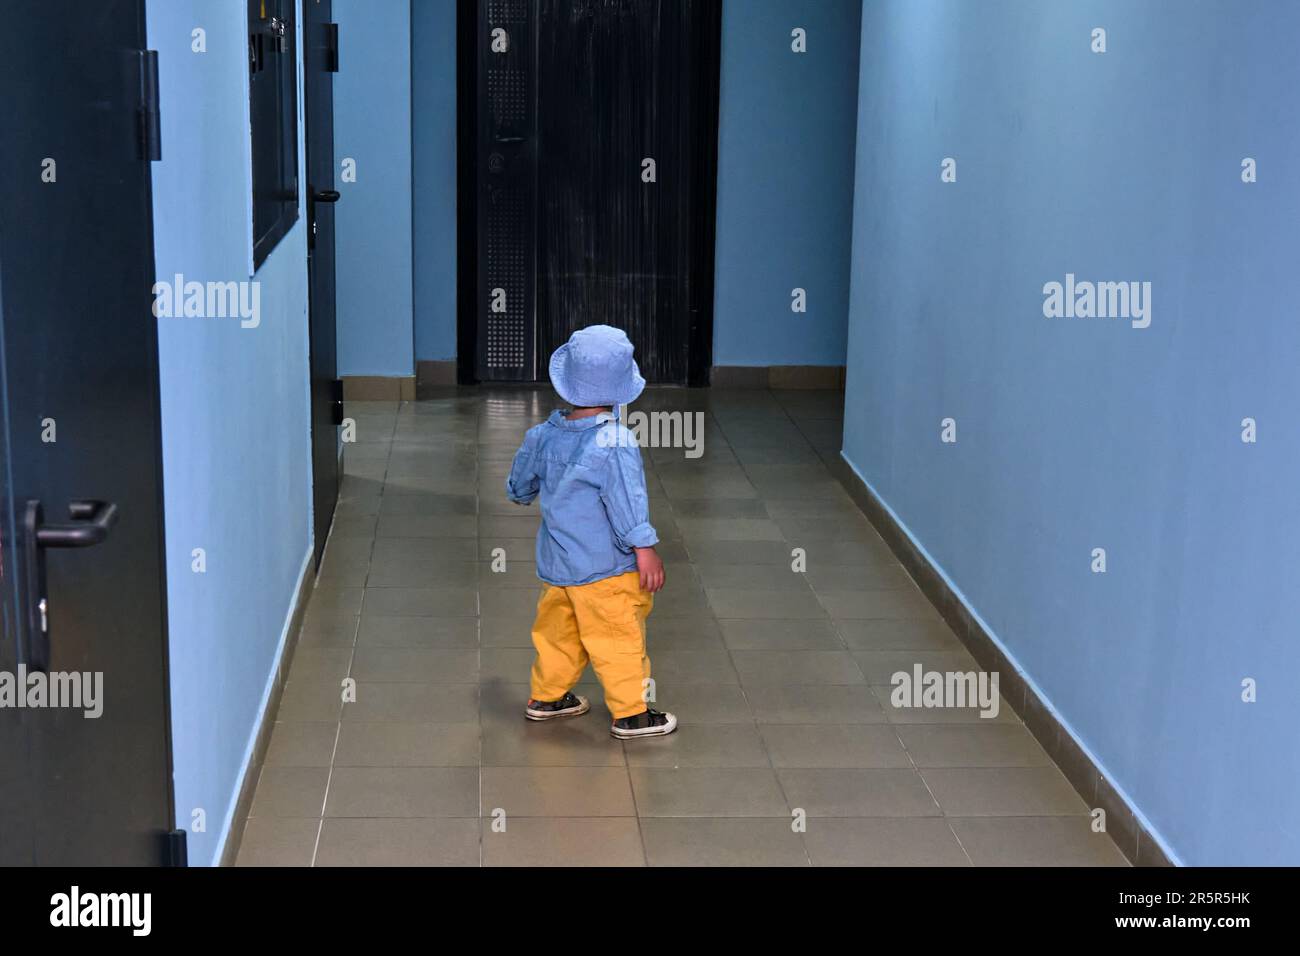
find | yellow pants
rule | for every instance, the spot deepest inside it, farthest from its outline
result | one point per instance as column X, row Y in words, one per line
column 602, row 622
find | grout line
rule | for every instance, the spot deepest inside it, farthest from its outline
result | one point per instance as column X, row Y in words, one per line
column 356, row 631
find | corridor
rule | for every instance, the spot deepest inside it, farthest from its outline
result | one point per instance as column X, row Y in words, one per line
column 789, row 752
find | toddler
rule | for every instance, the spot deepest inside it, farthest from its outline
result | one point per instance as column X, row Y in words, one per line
column 595, row 546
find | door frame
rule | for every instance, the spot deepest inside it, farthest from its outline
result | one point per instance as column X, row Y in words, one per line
column 325, row 403
column 703, row 221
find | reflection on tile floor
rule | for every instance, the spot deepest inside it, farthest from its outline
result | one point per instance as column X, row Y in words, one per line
column 780, row 679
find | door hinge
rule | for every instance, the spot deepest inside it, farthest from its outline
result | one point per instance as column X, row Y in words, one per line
column 331, row 48
column 174, row 849
column 150, row 114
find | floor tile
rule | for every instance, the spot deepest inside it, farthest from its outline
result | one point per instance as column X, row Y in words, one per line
column 290, row 792
column 557, row 792
column 703, row 704
column 774, row 577
column 328, row 629
column 977, row 745
column 311, row 700
column 707, row 792
column 399, row 842
column 1004, row 791
column 401, row 744
column 336, row 599
column 511, row 741
column 765, row 668
column 302, row 744
column 435, row 666
column 675, row 668
column 320, row 664
column 268, row 841
column 563, row 841
column 421, row 602
column 897, row 603
column 907, row 714
column 813, row 704
column 750, row 603
column 883, row 842
column 377, row 630
column 849, row 577
column 880, row 667
column 403, row 792
column 810, row 746
column 761, row 635
column 413, row 703
column 427, row 526
column 858, row 792
column 1035, row 841
column 722, row 841
column 719, row 745
column 422, row 573
column 887, row 635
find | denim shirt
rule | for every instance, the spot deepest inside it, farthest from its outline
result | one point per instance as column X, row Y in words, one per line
column 594, row 504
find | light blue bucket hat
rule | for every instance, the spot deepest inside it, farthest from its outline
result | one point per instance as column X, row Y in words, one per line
column 596, row 367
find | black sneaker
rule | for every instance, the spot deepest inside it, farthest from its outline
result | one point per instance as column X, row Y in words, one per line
column 648, row 723
column 570, row 705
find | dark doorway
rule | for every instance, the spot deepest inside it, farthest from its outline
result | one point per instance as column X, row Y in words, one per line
column 593, row 151
column 320, row 63
column 82, row 552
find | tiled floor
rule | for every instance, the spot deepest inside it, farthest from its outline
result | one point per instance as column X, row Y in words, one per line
column 780, row 679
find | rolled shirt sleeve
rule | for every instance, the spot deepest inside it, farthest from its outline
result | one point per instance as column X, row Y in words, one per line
column 626, row 502
column 522, row 483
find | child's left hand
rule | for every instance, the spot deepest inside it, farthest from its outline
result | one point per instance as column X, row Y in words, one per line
column 651, row 568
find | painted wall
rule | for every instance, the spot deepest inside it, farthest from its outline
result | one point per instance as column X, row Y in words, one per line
column 372, row 125
column 785, row 181
column 433, row 141
column 236, row 456
column 1076, row 433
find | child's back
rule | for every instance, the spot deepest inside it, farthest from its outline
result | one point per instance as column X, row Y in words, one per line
column 595, row 545
column 595, row 511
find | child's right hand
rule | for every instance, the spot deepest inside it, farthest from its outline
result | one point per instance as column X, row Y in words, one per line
column 651, row 569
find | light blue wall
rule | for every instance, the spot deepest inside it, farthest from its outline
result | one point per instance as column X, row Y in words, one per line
column 1075, row 434
column 372, row 125
column 785, row 181
column 433, row 138
column 236, row 457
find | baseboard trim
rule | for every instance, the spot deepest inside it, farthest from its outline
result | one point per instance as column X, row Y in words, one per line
column 261, row 738
column 1125, row 824
column 431, row 375
column 379, row 388
column 777, row 376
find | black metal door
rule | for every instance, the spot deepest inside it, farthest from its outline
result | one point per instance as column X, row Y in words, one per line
column 320, row 62
column 597, row 168
column 82, row 553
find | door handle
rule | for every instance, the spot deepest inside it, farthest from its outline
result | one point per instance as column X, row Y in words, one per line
column 90, row 524
column 326, row 195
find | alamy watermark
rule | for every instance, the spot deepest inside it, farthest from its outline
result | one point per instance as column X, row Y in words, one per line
column 949, row 689
column 1098, row 300
column 73, row 690
column 209, row 300
column 133, row 911
column 658, row 430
